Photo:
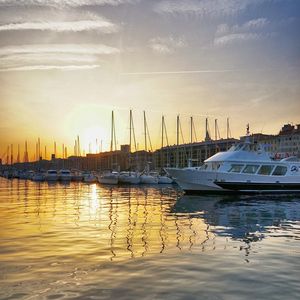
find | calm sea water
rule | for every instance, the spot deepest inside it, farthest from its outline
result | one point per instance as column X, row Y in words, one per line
column 81, row 241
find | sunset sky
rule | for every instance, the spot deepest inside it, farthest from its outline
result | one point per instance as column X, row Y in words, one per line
column 64, row 65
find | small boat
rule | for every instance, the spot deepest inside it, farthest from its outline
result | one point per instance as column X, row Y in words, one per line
column 162, row 179
column 38, row 176
column 109, row 178
column 51, row 175
column 77, row 175
column 129, row 178
column 64, row 175
column 8, row 174
column 148, row 179
column 89, row 177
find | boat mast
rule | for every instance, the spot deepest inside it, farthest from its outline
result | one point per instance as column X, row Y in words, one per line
column 11, row 154
column 192, row 127
column 162, row 142
column 18, row 156
column 145, row 131
column 112, row 131
column 177, row 140
column 55, row 149
column 78, row 146
column 130, row 129
column 7, row 156
column 25, row 153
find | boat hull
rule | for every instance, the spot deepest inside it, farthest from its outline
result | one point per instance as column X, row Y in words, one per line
column 111, row 180
column 147, row 179
column 191, row 180
column 129, row 179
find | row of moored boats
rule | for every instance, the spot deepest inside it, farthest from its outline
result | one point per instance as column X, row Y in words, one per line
column 112, row 178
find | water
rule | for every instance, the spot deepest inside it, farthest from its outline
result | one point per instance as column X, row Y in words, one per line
column 81, row 241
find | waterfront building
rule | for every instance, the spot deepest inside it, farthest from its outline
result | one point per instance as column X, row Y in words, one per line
column 285, row 143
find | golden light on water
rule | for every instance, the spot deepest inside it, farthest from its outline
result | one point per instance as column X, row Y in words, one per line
column 78, row 220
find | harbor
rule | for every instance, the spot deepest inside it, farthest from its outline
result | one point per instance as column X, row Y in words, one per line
column 149, row 150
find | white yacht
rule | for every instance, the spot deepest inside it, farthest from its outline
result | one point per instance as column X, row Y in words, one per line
column 245, row 167
column 129, row 178
column 51, row 175
column 64, row 175
column 109, row 178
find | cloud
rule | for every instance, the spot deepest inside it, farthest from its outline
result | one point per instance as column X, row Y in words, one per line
column 212, row 8
column 33, row 57
column 251, row 30
column 64, row 3
column 166, row 45
column 49, row 67
column 252, row 25
column 75, row 26
column 231, row 38
column 179, row 72
column 97, row 49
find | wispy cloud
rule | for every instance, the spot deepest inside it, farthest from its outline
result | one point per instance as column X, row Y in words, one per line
column 75, row 26
column 167, row 45
column 54, row 56
column 251, row 30
column 97, row 49
column 252, row 25
column 48, row 67
column 64, row 3
column 231, row 38
column 211, row 8
column 179, row 72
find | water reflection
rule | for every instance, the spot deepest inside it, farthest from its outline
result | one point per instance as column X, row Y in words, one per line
column 105, row 223
column 55, row 235
column 245, row 218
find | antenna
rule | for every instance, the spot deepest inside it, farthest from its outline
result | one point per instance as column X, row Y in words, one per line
column 45, row 152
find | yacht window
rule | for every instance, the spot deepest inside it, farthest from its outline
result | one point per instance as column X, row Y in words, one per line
column 250, row 169
column 280, row 171
column 265, row 170
column 236, row 168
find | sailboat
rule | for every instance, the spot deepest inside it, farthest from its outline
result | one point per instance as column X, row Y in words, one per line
column 110, row 177
column 130, row 177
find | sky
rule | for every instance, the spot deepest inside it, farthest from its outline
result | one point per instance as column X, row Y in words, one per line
column 65, row 65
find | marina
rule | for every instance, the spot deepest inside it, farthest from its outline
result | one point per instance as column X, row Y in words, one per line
column 149, row 150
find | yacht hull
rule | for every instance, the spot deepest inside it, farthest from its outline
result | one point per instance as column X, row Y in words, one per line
column 191, row 180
